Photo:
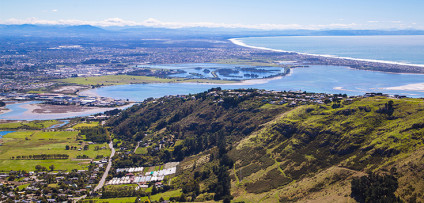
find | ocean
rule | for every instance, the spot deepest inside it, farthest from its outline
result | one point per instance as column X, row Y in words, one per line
column 408, row 49
column 315, row 78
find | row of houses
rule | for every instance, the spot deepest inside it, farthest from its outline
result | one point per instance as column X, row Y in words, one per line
column 152, row 176
column 131, row 170
column 61, row 99
column 163, row 172
column 134, row 180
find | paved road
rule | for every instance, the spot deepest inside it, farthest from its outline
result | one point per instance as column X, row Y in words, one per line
column 102, row 181
column 78, row 198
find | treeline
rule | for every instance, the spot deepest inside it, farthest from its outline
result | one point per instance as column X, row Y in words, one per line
column 126, row 191
column 191, row 146
column 95, row 134
column 222, row 186
column 41, row 157
column 67, row 147
column 214, row 175
column 83, row 156
column 235, row 116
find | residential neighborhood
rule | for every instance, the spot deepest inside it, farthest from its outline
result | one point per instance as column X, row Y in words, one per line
column 63, row 99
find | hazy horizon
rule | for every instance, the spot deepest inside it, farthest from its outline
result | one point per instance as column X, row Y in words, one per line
column 268, row 15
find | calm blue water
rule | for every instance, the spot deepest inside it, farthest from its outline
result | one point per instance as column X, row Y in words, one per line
column 404, row 49
column 328, row 79
column 3, row 133
column 19, row 113
column 64, row 122
column 204, row 70
column 16, row 109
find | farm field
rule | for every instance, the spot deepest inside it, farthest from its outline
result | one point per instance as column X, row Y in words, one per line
column 29, row 143
column 38, row 124
column 86, row 125
column 111, row 200
column 164, row 195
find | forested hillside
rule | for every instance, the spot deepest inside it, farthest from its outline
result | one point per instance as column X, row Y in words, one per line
column 254, row 145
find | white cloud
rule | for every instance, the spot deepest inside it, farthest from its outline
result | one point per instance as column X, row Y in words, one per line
column 387, row 22
column 54, row 10
column 151, row 22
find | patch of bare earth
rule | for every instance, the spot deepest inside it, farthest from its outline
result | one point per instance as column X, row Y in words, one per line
column 46, row 108
column 69, row 89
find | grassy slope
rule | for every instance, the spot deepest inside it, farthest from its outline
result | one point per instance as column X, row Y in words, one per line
column 129, row 79
column 165, row 195
column 307, row 153
column 312, row 152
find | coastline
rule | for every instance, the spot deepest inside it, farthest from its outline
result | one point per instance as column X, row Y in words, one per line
column 88, row 93
column 93, row 93
column 408, row 87
column 68, row 112
column 4, row 110
column 31, row 108
column 256, row 81
column 237, row 41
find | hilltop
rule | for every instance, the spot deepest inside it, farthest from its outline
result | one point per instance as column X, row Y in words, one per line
column 254, row 145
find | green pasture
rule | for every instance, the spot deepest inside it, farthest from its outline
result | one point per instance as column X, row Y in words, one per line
column 34, row 125
column 25, row 143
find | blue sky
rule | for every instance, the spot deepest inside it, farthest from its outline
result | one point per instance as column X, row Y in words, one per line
column 264, row 14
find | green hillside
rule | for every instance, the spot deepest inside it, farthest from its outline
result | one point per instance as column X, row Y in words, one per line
column 259, row 146
column 315, row 149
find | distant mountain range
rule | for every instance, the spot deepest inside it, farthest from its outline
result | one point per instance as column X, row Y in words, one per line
column 30, row 30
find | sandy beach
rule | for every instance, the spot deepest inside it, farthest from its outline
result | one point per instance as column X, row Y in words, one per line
column 409, row 87
column 254, row 81
column 4, row 110
column 47, row 111
column 237, row 41
column 88, row 93
column 69, row 89
column 56, row 109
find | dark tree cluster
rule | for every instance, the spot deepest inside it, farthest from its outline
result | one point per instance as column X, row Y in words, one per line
column 128, row 191
column 96, row 134
column 375, row 188
column 387, row 109
column 41, row 157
